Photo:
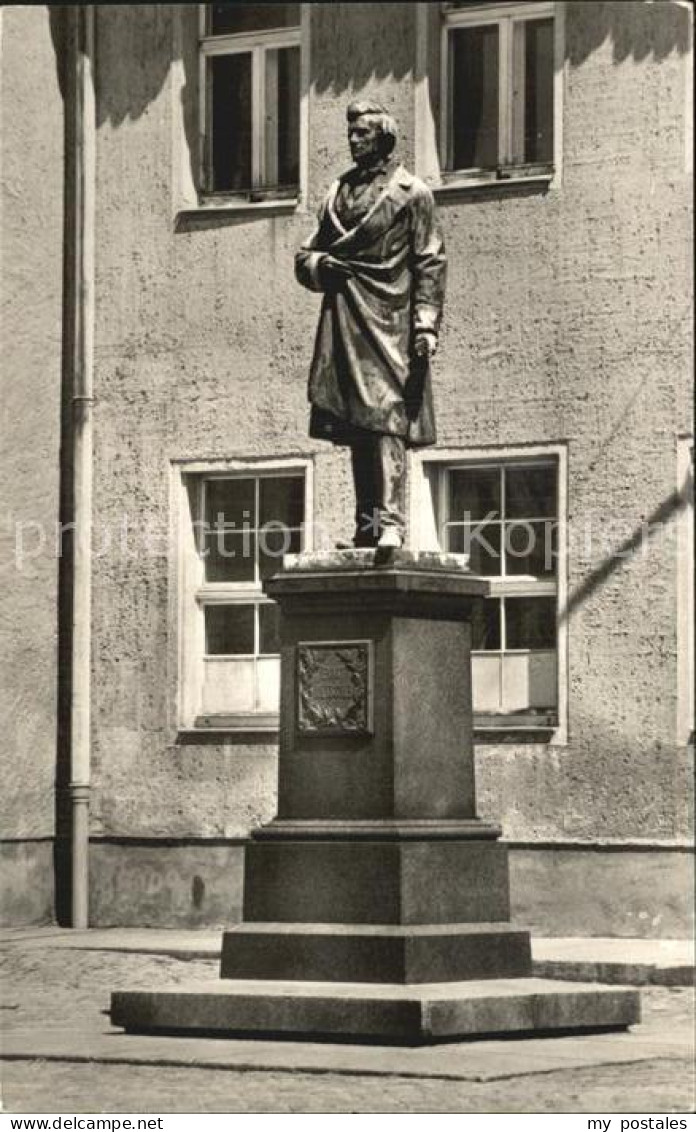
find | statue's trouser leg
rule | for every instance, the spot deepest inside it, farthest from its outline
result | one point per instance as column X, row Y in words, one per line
column 390, row 465
column 379, row 476
column 366, row 513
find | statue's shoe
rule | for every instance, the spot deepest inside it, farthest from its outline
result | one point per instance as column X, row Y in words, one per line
column 390, row 539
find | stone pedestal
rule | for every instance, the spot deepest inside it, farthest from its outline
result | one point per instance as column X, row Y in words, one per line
column 377, row 902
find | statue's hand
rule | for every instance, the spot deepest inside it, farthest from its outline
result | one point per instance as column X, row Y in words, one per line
column 333, row 273
column 424, row 345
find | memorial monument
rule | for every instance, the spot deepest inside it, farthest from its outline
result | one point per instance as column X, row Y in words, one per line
column 376, row 903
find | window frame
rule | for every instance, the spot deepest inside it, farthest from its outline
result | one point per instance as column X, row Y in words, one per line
column 194, row 593
column 428, row 511
column 255, row 44
column 504, row 15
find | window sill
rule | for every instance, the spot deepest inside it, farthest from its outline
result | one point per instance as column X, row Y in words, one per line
column 261, row 723
column 514, row 728
column 221, row 206
column 518, row 181
column 503, row 730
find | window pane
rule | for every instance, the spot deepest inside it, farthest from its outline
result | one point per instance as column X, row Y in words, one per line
column 485, row 627
column 230, row 501
column 531, row 548
column 230, row 557
column 274, row 542
column 229, row 629
column 230, row 19
column 230, row 94
column 481, row 542
column 228, row 686
column 474, row 493
column 268, row 684
column 529, row 683
column 474, row 107
column 269, row 629
column 530, row 622
column 485, row 679
column 281, row 499
column 538, row 91
column 287, row 141
column 530, row 492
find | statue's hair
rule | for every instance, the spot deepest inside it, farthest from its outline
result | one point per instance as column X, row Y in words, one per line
column 369, row 108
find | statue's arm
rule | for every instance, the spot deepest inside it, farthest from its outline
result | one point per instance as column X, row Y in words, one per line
column 428, row 266
column 309, row 258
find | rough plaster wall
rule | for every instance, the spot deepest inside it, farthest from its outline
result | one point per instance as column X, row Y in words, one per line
column 32, row 223
column 357, row 51
column 26, row 883
column 565, row 321
column 585, row 892
column 187, row 886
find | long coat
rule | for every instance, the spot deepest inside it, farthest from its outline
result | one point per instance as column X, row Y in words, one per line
column 364, row 374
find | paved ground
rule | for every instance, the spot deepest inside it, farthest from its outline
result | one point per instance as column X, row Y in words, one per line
column 655, row 1087
column 54, row 1003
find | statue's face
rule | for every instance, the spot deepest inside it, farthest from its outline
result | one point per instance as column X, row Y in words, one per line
column 365, row 140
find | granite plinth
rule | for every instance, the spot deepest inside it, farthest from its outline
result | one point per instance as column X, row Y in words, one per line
column 377, row 1012
column 413, row 760
column 384, row 881
column 375, row 953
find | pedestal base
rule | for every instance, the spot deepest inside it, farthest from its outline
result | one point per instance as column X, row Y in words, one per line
column 382, row 1012
column 376, row 881
column 367, row 953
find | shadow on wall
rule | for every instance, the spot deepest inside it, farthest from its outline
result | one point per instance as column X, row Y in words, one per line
column 655, row 522
column 135, row 44
column 616, row 778
column 134, row 47
column 637, row 29
column 354, row 45
column 58, row 27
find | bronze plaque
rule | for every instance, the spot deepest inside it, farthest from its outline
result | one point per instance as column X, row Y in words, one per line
column 334, row 680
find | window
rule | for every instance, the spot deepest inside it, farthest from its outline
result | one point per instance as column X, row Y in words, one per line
column 240, row 525
column 505, row 515
column 497, row 98
column 250, row 105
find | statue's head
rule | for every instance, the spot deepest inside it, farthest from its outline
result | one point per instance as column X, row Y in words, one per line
column 371, row 131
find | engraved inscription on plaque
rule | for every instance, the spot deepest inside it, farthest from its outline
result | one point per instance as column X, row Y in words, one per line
column 334, row 681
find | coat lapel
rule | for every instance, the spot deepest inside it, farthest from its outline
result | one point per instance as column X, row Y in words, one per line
column 380, row 217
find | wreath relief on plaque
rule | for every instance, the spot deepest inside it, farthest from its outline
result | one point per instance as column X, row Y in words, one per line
column 334, row 687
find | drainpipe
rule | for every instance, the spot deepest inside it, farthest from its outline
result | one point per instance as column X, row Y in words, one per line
column 82, row 402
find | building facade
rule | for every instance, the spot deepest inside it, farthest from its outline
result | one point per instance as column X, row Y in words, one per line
column 162, row 164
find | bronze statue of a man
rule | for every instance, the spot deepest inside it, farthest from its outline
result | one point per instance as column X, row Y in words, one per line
column 378, row 259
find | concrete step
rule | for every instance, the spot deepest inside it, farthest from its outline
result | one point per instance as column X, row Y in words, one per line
column 417, row 1014
column 629, row 962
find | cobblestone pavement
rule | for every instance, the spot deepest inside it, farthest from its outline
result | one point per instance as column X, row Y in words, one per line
column 58, row 988
column 64, row 988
